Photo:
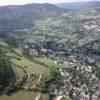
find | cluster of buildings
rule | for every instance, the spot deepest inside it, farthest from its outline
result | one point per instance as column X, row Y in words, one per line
column 75, row 59
column 45, row 48
column 89, row 89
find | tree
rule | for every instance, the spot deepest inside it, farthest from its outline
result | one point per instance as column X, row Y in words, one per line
column 7, row 75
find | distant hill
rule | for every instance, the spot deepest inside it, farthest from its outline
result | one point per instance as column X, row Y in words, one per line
column 79, row 5
column 21, row 17
column 80, row 25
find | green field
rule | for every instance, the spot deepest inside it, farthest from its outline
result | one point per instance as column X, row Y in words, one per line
column 35, row 37
column 23, row 95
column 30, row 66
column 27, row 64
column 21, row 63
column 47, row 61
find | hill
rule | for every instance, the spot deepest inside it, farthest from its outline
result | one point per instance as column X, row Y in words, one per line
column 7, row 75
column 40, row 40
column 21, row 17
column 79, row 5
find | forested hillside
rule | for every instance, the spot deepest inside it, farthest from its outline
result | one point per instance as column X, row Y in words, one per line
column 21, row 17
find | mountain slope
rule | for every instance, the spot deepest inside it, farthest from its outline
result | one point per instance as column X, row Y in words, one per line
column 7, row 75
column 20, row 17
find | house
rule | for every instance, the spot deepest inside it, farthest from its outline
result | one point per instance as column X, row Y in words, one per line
column 33, row 52
column 94, row 97
column 91, row 60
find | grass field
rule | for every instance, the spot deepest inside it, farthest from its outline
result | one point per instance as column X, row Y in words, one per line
column 30, row 66
column 19, row 73
column 23, row 95
column 47, row 61
column 18, row 59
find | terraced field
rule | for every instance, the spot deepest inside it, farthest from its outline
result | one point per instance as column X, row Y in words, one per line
column 27, row 64
column 50, row 63
column 24, row 68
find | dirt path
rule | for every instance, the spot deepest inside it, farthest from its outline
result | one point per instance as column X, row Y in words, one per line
column 39, row 79
column 37, row 97
column 59, row 98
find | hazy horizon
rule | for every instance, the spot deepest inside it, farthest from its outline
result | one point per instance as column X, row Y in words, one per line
column 21, row 2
